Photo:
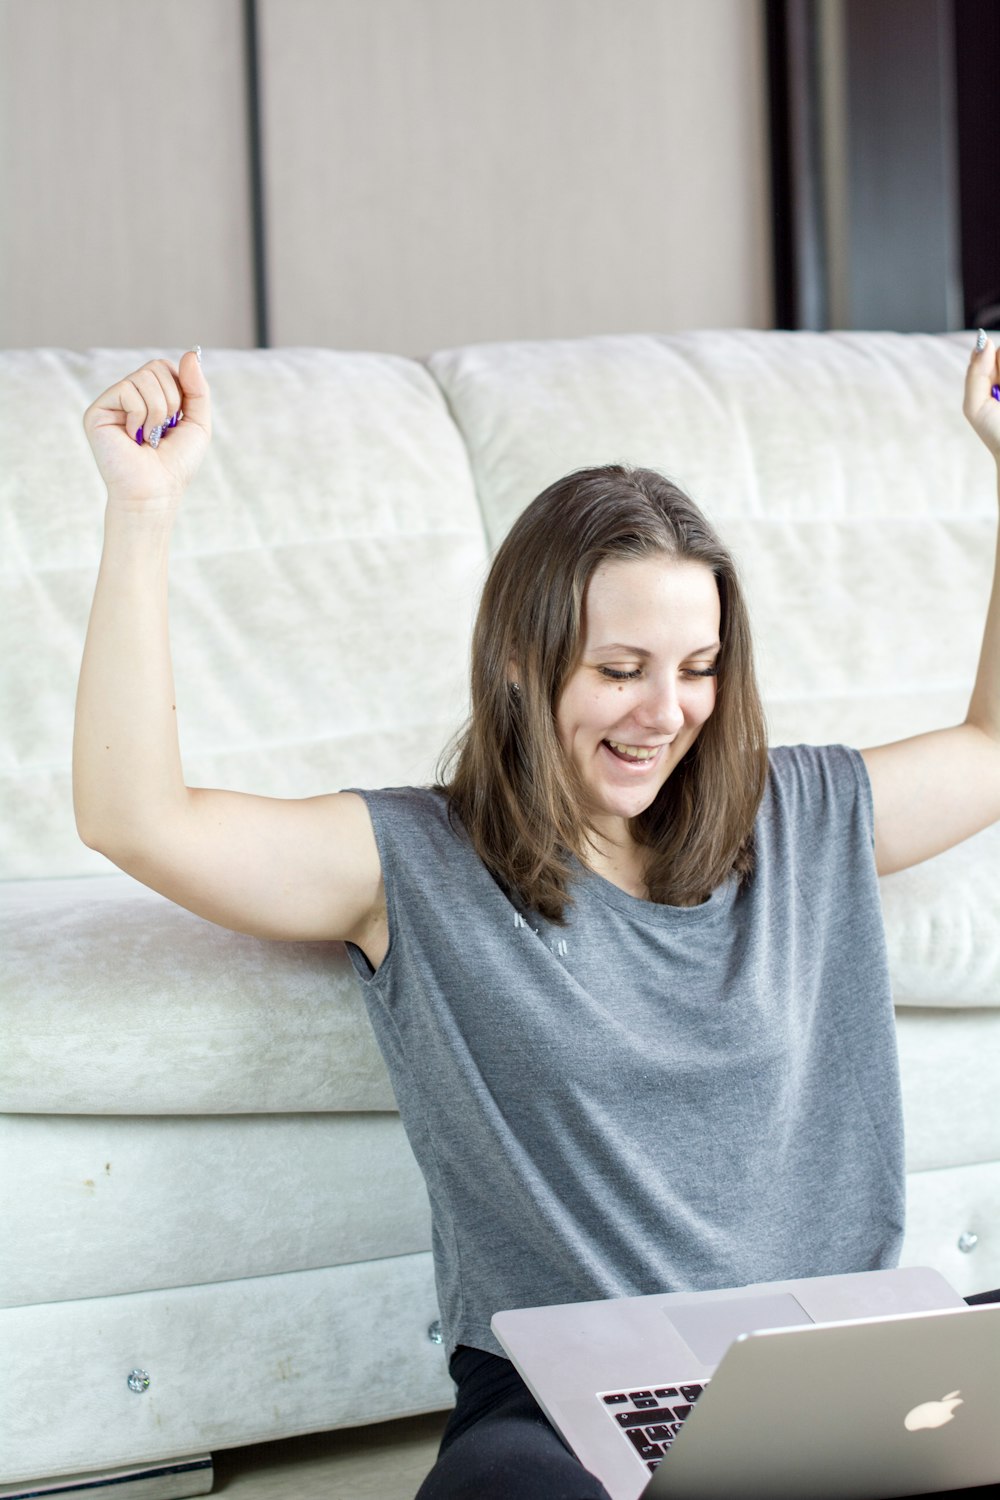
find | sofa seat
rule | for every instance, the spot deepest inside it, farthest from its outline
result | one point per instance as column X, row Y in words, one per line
column 236, row 1196
column 149, row 1010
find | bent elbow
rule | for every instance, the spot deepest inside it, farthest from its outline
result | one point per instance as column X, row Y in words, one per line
column 104, row 839
column 96, row 839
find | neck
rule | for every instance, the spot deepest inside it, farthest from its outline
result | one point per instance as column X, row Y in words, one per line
column 618, row 858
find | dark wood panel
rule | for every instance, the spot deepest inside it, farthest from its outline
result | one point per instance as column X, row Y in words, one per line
column 977, row 67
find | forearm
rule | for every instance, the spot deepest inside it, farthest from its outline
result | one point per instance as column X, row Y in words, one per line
column 984, row 705
column 126, row 757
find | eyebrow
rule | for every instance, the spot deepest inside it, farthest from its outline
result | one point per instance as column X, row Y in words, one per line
column 641, row 650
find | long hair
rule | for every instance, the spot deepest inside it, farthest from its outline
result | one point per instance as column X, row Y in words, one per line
column 516, row 792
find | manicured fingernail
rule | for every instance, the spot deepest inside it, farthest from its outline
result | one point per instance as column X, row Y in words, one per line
column 154, row 437
column 197, row 350
column 995, row 392
column 173, row 421
column 980, row 342
column 138, row 437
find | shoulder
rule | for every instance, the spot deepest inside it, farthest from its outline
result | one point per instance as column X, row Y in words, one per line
column 410, row 826
column 419, row 801
column 407, row 806
column 822, row 788
column 416, row 820
column 815, row 839
column 817, row 772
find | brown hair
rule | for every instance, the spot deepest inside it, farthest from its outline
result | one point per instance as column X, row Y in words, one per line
column 515, row 791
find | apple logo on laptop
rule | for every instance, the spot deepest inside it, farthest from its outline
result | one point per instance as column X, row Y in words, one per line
column 932, row 1413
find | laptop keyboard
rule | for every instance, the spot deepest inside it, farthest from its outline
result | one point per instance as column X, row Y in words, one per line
column 650, row 1419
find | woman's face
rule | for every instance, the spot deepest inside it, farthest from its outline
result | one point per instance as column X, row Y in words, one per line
column 645, row 683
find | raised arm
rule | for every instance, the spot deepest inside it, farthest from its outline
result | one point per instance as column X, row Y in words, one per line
column 934, row 790
column 297, row 869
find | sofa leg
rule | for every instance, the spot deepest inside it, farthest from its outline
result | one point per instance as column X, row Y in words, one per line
column 171, row 1479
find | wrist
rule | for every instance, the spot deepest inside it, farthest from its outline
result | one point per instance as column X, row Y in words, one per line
column 136, row 503
column 136, row 529
column 140, row 515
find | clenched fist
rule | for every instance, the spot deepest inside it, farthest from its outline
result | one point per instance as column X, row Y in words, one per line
column 139, row 464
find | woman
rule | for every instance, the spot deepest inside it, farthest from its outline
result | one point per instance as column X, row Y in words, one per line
column 626, row 969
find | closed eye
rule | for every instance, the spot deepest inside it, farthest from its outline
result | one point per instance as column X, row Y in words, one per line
column 618, row 675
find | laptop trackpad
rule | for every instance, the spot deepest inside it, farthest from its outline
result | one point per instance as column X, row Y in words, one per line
column 709, row 1328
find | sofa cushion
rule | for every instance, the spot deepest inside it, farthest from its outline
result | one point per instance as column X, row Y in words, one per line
column 839, row 468
column 950, row 1068
column 942, row 928
column 152, row 1202
column 148, row 1010
column 116, row 1001
column 334, row 512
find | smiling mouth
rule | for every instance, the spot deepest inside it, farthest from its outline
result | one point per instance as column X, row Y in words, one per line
column 634, row 754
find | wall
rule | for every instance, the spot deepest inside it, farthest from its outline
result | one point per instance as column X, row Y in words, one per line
column 435, row 172
column 123, row 174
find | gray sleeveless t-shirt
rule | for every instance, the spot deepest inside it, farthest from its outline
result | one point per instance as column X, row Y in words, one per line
column 651, row 1098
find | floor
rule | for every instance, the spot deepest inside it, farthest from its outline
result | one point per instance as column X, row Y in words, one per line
column 382, row 1462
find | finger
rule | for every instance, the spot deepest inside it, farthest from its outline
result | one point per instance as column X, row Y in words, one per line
column 195, row 395
column 981, row 376
column 133, row 401
column 149, row 382
column 164, row 404
column 121, row 405
column 169, row 379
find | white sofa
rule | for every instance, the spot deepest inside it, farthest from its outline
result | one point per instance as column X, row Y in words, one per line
column 204, row 1175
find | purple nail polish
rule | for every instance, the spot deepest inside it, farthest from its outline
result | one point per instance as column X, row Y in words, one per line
column 995, row 393
column 138, row 437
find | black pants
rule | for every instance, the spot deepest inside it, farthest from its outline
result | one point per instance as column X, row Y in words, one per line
column 497, row 1445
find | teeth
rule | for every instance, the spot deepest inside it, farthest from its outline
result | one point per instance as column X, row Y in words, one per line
column 634, row 752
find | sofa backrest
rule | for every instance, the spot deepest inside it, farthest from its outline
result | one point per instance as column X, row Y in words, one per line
column 329, row 555
column 324, row 570
column 838, row 467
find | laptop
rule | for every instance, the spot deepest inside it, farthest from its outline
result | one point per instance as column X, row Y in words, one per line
column 872, row 1384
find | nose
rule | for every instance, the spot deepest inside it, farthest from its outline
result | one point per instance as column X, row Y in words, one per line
column 660, row 711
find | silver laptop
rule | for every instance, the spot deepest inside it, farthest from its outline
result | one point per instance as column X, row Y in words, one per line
column 876, row 1384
